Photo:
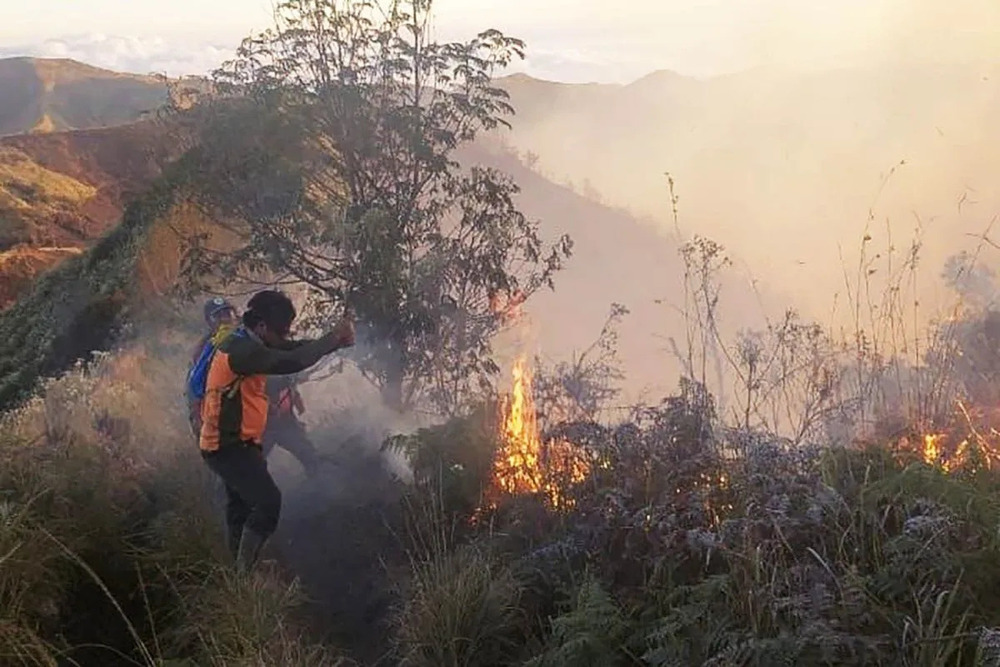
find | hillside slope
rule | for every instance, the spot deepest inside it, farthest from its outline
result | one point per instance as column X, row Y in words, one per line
column 51, row 95
column 90, row 297
column 617, row 259
column 67, row 188
column 63, row 190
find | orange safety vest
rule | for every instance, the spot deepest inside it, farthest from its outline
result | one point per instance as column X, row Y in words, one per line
column 234, row 408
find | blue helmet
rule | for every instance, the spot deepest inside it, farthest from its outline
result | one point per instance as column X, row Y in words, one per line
column 216, row 306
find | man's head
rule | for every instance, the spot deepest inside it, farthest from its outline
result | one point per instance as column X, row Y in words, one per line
column 219, row 311
column 270, row 315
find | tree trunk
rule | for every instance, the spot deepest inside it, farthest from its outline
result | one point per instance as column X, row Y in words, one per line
column 392, row 393
column 392, row 390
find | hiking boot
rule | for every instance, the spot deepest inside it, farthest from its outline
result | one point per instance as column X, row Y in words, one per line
column 233, row 538
column 249, row 550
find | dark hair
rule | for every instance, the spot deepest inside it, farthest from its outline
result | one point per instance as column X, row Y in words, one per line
column 271, row 307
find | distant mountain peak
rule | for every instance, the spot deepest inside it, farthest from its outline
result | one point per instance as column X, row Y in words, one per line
column 659, row 76
column 521, row 77
column 66, row 69
column 53, row 94
column 523, row 80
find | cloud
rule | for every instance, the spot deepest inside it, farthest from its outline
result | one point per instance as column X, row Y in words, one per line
column 171, row 56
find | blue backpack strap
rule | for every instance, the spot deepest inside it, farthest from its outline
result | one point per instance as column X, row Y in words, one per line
column 198, row 375
column 197, row 378
column 193, row 365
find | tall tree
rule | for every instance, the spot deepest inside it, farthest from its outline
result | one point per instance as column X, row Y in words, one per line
column 333, row 159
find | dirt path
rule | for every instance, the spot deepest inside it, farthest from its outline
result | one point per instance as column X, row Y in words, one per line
column 340, row 534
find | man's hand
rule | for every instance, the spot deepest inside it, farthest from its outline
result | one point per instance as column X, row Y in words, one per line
column 342, row 335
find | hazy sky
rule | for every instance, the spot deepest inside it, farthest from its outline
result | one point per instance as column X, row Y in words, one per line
column 568, row 40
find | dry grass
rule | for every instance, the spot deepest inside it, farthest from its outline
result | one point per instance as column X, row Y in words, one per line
column 236, row 621
column 462, row 609
column 34, row 200
column 25, row 184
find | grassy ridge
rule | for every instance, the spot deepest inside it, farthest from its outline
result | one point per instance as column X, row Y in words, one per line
column 75, row 308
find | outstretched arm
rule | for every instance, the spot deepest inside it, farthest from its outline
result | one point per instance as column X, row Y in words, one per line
column 247, row 357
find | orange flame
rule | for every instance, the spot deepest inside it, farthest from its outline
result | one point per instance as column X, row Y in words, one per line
column 523, row 465
column 936, row 450
column 967, row 442
column 518, row 466
column 932, row 450
column 960, row 458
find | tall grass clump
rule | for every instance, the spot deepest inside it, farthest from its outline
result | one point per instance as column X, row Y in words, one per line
column 460, row 600
column 462, row 608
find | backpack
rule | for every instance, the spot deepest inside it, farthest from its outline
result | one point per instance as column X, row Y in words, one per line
column 197, row 376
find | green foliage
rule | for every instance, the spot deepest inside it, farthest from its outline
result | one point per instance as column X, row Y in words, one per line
column 592, row 633
column 453, row 460
column 341, row 126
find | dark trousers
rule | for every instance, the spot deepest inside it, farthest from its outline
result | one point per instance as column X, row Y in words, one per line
column 290, row 434
column 253, row 500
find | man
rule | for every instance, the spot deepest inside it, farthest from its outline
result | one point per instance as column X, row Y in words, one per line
column 283, row 428
column 220, row 316
column 235, row 411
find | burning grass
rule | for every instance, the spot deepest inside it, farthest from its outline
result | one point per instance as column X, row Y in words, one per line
column 966, row 444
column 524, row 463
column 678, row 551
